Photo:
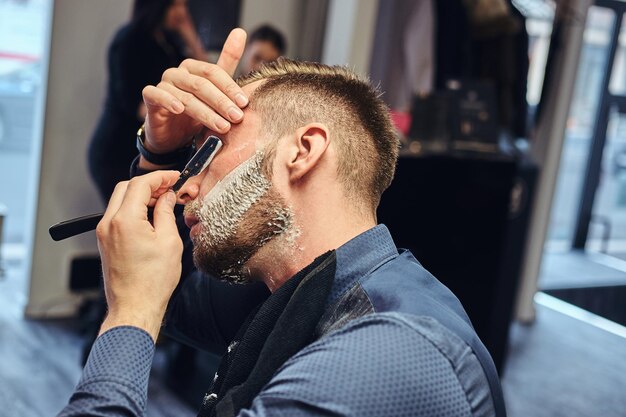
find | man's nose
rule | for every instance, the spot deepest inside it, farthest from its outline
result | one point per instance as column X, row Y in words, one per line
column 190, row 190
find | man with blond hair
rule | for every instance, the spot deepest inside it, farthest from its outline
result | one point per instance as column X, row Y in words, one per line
column 353, row 326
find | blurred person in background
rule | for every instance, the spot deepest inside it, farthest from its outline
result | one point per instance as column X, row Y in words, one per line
column 160, row 35
column 265, row 44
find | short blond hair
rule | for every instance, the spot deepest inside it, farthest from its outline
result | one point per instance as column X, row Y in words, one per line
column 296, row 93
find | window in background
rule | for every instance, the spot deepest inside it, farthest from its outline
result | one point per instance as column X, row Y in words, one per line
column 23, row 38
column 579, row 129
column 565, row 264
column 607, row 233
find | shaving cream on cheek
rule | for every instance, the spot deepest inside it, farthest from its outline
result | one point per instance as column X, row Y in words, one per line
column 239, row 215
column 223, row 207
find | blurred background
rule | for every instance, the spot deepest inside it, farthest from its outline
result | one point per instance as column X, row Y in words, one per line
column 511, row 186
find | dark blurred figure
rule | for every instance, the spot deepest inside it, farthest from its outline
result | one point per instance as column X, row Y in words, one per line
column 265, row 44
column 160, row 35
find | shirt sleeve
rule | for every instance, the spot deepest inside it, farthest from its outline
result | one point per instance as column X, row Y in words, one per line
column 115, row 379
column 380, row 365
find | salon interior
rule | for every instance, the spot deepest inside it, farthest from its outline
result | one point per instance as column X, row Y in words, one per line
column 510, row 185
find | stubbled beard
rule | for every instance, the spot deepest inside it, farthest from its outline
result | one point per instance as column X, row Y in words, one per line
column 241, row 214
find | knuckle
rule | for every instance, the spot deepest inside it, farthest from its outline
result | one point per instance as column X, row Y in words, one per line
column 185, row 98
column 228, row 53
column 187, row 63
column 209, row 70
column 169, row 240
column 222, row 102
column 133, row 182
column 197, row 84
column 210, row 119
column 169, row 74
column 116, row 224
column 175, row 244
column 121, row 185
column 101, row 231
column 232, row 89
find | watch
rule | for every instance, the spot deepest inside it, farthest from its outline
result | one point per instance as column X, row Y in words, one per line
column 169, row 158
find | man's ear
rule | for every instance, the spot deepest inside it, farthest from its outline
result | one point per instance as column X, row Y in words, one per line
column 311, row 143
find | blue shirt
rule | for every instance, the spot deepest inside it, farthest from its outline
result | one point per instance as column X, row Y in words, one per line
column 389, row 363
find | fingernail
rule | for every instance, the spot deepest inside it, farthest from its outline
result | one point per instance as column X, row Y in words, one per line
column 235, row 114
column 222, row 124
column 177, row 106
column 241, row 100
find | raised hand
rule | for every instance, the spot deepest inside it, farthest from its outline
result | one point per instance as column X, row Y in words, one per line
column 194, row 96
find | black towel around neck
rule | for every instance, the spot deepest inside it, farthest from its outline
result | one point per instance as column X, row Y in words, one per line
column 283, row 325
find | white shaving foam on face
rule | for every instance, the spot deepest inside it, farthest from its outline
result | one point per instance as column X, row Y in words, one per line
column 223, row 209
column 226, row 203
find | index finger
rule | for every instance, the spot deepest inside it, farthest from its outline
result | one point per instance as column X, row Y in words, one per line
column 232, row 50
column 141, row 191
column 114, row 203
column 219, row 82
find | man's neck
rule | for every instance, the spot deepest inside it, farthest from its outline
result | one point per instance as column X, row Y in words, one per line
column 281, row 259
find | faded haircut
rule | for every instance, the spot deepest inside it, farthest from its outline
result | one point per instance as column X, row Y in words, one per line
column 296, row 93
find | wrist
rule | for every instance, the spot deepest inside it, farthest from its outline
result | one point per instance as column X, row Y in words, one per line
column 159, row 159
column 149, row 166
column 148, row 322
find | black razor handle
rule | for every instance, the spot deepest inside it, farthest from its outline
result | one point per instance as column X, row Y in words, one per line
column 74, row 227
column 197, row 164
column 80, row 225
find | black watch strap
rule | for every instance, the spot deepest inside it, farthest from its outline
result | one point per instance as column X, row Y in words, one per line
column 170, row 158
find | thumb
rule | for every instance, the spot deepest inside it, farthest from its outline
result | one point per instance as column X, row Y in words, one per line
column 164, row 220
column 232, row 50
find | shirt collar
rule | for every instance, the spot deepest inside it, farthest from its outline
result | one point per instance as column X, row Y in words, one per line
column 360, row 256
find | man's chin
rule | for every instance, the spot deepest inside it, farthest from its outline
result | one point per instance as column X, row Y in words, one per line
column 225, row 255
column 231, row 272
